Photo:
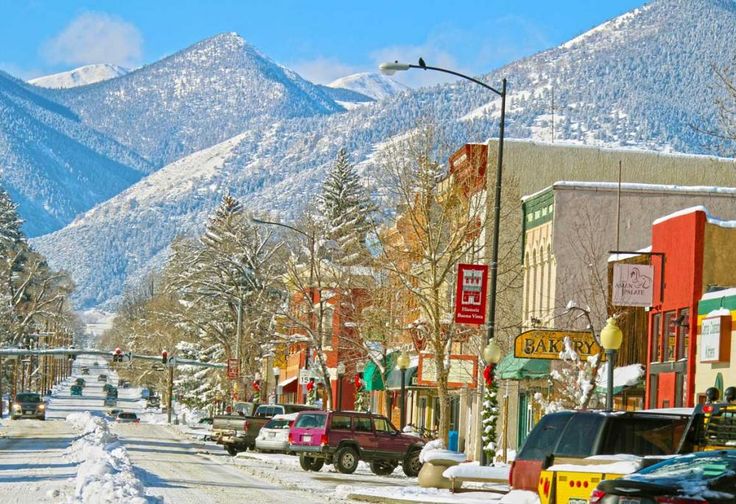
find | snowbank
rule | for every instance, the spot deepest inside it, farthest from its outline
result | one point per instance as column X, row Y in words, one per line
column 609, row 464
column 435, row 450
column 474, row 470
column 105, row 474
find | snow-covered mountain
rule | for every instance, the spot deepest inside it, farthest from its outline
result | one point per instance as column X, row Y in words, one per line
column 88, row 74
column 374, row 85
column 196, row 98
column 643, row 80
column 54, row 166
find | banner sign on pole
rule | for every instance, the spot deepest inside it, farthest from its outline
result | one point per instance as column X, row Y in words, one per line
column 232, row 369
column 471, row 294
column 632, row 284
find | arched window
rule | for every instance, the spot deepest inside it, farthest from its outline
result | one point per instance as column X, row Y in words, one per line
column 542, row 264
column 533, row 290
column 527, row 281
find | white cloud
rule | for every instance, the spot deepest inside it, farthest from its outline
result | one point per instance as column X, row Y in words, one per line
column 96, row 37
column 323, row 70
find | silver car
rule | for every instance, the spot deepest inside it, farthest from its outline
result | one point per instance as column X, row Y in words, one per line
column 28, row 405
column 274, row 436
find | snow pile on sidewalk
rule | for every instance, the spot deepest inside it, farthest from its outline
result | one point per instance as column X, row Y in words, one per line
column 105, row 474
column 475, row 470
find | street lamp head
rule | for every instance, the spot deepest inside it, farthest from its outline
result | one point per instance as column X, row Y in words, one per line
column 392, row 68
column 492, row 352
column 611, row 335
column 403, row 361
column 276, row 370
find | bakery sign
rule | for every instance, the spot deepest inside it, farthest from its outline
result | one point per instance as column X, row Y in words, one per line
column 547, row 344
column 715, row 339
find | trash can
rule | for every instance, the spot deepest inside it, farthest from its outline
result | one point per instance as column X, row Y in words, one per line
column 453, row 439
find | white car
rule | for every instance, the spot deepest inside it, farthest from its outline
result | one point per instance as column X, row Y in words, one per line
column 274, row 436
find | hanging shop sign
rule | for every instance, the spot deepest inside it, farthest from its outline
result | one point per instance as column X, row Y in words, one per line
column 233, row 369
column 632, row 285
column 547, row 344
column 463, row 371
column 471, row 293
column 715, row 339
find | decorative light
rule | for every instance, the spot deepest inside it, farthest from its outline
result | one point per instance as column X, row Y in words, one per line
column 611, row 335
column 403, row 361
column 492, row 352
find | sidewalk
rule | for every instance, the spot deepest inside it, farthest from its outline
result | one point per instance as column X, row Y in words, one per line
column 416, row 494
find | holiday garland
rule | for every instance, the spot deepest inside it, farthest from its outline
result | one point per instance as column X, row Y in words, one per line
column 489, row 413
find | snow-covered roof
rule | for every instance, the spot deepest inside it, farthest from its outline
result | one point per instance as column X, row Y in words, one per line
column 719, row 294
column 635, row 187
column 698, row 208
column 621, row 257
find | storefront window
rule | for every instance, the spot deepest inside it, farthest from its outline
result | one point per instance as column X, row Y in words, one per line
column 683, row 327
column 670, row 336
column 656, row 337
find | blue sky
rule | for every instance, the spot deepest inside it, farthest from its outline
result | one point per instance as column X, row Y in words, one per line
column 322, row 40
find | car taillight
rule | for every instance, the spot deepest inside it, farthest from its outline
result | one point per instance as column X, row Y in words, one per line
column 245, row 426
column 596, row 496
column 324, row 441
column 708, row 408
column 291, row 438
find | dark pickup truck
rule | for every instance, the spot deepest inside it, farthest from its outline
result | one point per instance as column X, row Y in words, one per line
column 238, row 433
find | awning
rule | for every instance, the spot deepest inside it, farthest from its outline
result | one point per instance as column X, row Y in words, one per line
column 513, row 368
column 372, row 373
column 288, row 385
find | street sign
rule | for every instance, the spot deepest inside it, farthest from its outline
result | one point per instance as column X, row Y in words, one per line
column 470, row 295
column 463, row 370
column 232, row 369
column 306, row 374
column 547, row 344
column 171, row 362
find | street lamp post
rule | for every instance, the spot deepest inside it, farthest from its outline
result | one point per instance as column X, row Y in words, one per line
column 340, row 374
column 611, row 338
column 403, row 363
column 390, row 69
column 276, row 374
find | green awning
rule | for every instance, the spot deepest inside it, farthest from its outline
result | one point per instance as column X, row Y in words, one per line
column 372, row 374
column 513, row 368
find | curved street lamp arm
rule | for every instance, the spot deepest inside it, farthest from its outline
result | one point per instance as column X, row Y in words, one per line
column 458, row 74
column 287, row 226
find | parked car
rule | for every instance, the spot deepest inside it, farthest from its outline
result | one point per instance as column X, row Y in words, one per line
column 80, row 382
column 76, row 390
column 102, row 378
column 125, row 384
column 85, row 370
column 153, row 402
column 705, row 477
column 28, row 405
column 127, row 417
column 274, row 436
column 567, row 437
column 238, row 432
column 110, row 401
column 112, row 392
column 343, row 438
column 114, row 412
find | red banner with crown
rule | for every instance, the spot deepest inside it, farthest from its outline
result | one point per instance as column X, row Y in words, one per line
column 471, row 294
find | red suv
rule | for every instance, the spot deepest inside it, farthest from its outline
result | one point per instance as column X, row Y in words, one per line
column 343, row 438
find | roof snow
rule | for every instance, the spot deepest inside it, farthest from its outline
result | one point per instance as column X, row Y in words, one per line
column 719, row 294
column 699, row 208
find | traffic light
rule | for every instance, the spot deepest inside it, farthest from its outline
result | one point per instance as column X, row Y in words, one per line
column 117, row 355
column 164, row 357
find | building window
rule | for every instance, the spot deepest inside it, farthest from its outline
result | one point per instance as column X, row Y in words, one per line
column 670, row 336
column 683, row 327
column 655, row 339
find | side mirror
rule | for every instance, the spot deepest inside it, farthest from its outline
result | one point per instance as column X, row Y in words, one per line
column 729, row 394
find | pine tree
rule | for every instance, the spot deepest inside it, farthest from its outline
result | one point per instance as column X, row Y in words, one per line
column 10, row 222
column 489, row 414
column 346, row 209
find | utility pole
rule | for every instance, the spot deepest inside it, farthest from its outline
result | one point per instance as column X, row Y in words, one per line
column 170, row 392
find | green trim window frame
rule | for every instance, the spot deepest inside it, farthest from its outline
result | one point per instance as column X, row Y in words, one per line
column 683, row 336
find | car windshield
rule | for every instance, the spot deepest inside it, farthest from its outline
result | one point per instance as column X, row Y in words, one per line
column 698, row 466
column 28, row 398
column 310, row 421
column 128, row 416
column 277, row 424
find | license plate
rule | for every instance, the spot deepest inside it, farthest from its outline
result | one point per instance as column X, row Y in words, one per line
column 577, row 501
column 307, row 438
column 272, row 434
column 629, row 500
column 28, row 412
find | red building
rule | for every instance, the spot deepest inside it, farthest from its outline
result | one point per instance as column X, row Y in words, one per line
column 698, row 258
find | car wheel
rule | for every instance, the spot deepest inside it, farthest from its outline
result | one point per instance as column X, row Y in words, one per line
column 411, row 464
column 382, row 468
column 308, row 463
column 346, row 460
column 231, row 450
